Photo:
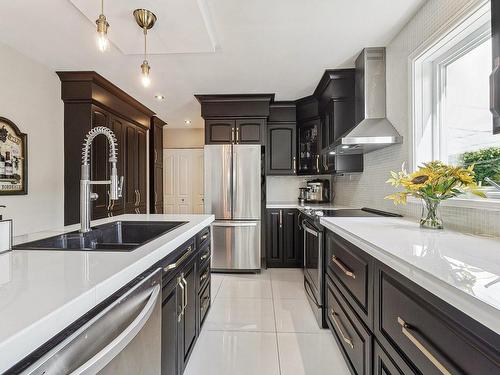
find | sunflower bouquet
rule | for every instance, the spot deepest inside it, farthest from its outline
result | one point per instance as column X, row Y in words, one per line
column 433, row 182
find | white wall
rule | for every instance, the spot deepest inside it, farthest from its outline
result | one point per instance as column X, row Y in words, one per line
column 183, row 138
column 369, row 188
column 30, row 96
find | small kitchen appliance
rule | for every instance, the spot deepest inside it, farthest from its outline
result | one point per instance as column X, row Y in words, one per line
column 318, row 191
column 302, row 195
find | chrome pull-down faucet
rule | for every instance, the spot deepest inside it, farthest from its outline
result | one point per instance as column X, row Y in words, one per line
column 492, row 183
column 116, row 185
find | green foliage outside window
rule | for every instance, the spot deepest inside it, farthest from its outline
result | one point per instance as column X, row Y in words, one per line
column 486, row 161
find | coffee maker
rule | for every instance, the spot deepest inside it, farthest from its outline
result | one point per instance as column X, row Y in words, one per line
column 318, row 191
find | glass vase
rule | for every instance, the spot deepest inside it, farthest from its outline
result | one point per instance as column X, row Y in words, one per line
column 431, row 215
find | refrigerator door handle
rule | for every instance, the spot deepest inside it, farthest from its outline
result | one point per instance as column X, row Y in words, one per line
column 237, row 224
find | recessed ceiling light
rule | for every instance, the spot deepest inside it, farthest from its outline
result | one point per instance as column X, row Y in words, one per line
column 332, row 152
column 345, row 146
column 160, row 97
column 187, row 122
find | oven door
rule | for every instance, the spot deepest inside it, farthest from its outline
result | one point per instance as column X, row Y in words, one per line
column 313, row 266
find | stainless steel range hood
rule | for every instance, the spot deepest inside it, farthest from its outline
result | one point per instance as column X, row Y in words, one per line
column 373, row 130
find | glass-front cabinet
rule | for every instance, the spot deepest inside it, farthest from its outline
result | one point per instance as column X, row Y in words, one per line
column 309, row 137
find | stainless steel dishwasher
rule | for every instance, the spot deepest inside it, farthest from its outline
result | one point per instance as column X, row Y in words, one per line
column 124, row 338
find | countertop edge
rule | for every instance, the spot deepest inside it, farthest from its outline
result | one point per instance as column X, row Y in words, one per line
column 473, row 307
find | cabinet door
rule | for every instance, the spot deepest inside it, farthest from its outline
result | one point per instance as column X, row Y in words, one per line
column 274, row 237
column 309, row 138
column 219, row 131
column 291, row 255
column 158, row 144
column 188, row 324
column 281, row 149
column 116, row 124
column 250, row 131
column 131, row 168
column 171, row 309
column 99, row 165
column 342, row 115
column 141, row 166
column 158, row 189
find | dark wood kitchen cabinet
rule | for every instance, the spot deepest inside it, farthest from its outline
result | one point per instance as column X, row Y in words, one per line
column 156, row 165
column 89, row 101
column 184, row 303
column 371, row 308
column 281, row 152
column 283, row 238
column 135, row 161
column 235, row 119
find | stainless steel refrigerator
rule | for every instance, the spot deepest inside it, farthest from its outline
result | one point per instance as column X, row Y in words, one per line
column 233, row 195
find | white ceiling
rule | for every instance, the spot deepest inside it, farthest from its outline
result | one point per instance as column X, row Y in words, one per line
column 221, row 46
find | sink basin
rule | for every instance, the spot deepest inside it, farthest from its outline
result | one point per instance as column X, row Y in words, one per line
column 116, row 236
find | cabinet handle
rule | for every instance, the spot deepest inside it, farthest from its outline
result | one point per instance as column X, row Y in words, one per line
column 156, row 200
column 294, row 162
column 185, row 293
column 338, row 324
column 405, row 330
column 179, row 261
column 181, row 285
column 156, row 155
column 232, row 134
column 205, row 303
column 237, row 135
column 135, row 196
column 204, row 276
column 281, row 218
column 344, row 269
column 204, row 237
column 317, row 163
column 139, row 194
column 205, row 256
column 494, row 99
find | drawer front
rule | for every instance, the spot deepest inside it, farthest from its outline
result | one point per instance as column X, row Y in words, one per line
column 204, row 255
column 384, row 365
column 427, row 335
column 352, row 270
column 204, row 276
column 353, row 336
column 204, row 303
column 204, row 237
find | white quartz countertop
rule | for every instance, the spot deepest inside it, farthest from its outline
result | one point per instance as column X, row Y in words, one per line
column 42, row 292
column 461, row 269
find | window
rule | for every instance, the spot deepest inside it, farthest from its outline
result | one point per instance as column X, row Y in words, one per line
column 451, row 115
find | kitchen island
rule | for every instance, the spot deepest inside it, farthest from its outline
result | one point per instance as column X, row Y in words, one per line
column 43, row 292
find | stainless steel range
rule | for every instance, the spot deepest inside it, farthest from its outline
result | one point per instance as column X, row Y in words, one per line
column 314, row 251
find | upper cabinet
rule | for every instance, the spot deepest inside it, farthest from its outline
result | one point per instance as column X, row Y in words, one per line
column 89, row 101
column 495, row 76
column 235, row 119
column 281, row 146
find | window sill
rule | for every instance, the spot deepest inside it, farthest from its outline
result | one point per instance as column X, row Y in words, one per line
column 475, row 203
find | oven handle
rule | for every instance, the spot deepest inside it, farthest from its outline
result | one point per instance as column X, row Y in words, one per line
column 311, row 296
column 309, row 230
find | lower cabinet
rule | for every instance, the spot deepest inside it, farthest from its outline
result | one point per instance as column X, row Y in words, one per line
column 283, row 238
column 186, row 290
column 413, row 331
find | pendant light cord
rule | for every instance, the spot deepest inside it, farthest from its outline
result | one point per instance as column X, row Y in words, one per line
column 102, row 6
column 145, row 44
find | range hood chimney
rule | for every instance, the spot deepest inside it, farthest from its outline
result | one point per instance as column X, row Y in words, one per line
column 372, row 131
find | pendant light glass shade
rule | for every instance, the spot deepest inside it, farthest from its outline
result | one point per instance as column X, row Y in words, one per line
column 146, row 80
column 102, row 30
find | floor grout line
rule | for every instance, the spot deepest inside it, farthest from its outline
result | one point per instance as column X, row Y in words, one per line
column 275, row 324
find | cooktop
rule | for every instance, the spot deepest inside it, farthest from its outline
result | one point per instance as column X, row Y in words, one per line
column 349, row 212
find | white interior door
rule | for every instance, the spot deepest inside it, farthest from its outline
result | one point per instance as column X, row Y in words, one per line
column 183, row 174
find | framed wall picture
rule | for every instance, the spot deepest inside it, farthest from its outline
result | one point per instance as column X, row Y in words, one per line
column 13, row 159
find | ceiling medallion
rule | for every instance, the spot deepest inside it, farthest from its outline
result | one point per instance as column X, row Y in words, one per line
column 146, row 20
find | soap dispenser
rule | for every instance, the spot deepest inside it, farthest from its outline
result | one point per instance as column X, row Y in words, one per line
column 5, row 234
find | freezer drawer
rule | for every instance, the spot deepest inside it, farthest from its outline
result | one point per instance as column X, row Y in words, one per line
column 235, row 245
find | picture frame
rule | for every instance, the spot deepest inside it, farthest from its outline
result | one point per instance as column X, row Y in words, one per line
column 13, row 159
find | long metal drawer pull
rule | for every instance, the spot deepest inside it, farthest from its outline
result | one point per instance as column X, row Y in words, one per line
column 338, row 324
column 186, row 291
column 103, row 357
column 181, row 285
column 405, row 327
column 344, row 269
column 172, row 266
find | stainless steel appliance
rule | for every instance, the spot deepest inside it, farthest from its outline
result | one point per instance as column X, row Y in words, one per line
column 233, row 177
column 124, row 338
column 314, row 269
column 373, row 130
column 318, row 191
column 302, row 195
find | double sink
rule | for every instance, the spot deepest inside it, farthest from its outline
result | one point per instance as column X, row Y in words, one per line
column 115, row 236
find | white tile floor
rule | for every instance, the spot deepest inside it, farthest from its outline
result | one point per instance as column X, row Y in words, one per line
column 262, row 324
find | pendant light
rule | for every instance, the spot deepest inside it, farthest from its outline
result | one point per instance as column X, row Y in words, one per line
column 102, row 30
column 146, row 20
